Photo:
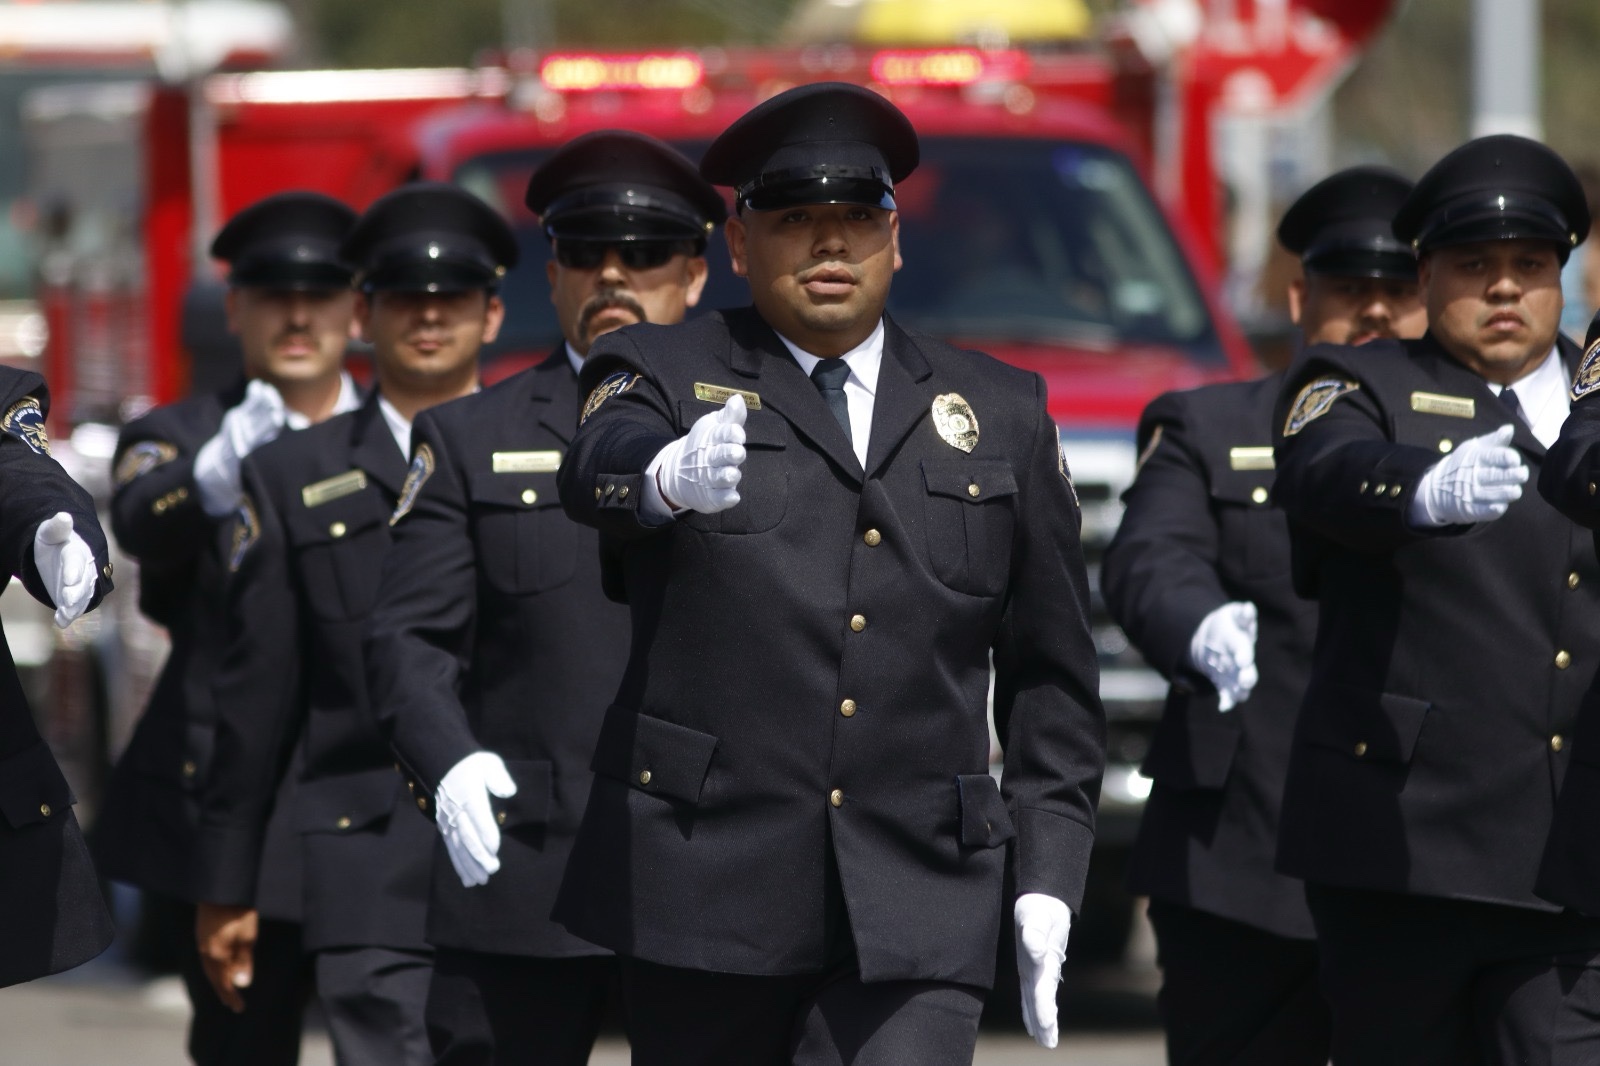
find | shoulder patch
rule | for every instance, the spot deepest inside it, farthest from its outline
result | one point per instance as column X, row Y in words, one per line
column 422, row 465
column 1587, row 379
column 613, row 385
column 141, row 458
column 246, row 531
column 25, row 421
column 1149, row 448
column 1314, row 401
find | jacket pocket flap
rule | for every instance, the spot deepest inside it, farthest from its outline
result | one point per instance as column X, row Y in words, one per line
column 517, row 491
column 338, row 519
column 985, row 822
column 345, row 803
column 762, row 429
column 970, row 480
column 1251, row 487
column 531, row 804
column 1195, row 744
column 654, row 755
column 32, row 789
column 1367, row 725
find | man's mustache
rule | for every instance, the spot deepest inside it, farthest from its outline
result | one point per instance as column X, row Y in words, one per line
column 602, row 301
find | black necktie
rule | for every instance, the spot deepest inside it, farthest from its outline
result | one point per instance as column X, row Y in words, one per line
column 828, row 376
column 1513, row 405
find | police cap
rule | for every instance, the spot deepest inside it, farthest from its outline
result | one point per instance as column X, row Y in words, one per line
column 617, row 185
column 1492, row 189
column 826, row 143
column 287, row 241
column 1340, row 226
column 430, row 237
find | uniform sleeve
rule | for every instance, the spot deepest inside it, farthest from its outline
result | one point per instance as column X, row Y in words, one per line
column 258, row 699
column 155, row 507
column 1571, row 469
column 417, row 636
column 1160, row 574
column 1339, row 471
column 1047, row 703
column 626, row 421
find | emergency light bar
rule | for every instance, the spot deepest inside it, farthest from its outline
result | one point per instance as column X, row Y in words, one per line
column 951, row 66
column 591, row 73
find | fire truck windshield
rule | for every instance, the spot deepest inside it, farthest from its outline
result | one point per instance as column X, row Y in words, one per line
column 1006, row 241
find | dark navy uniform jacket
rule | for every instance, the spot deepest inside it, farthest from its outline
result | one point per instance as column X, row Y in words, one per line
column 803, row 710
column 52, row 916
column 491, row 632
column 1450, row 663
column 307, row 557
column 1200, row 531
column 144, row 832
column 1571, row 871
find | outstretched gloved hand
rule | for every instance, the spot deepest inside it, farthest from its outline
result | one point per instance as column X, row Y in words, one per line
column 700, row 470
column 66, row 565
column 465, row 818
column 1043, row 923
column 1223, row 648
column 259, row 418
column 1477, row 482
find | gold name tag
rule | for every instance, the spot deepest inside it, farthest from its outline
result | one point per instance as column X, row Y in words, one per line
column 1250, row 458
column 720, row 394
column 1431, row 403
column 547, row 462
column 322, row 492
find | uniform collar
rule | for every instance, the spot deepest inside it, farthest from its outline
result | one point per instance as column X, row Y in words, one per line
column 573, row 357
column 864, row 360
column 349, row 399
column 399, row 425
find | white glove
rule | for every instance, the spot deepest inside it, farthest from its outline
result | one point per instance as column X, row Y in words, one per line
column 259, row 418
column 1043, row 923
column 67, row 566
column 1478, row 481
column 700, row 470
column 1223, row 648
column 471, row 836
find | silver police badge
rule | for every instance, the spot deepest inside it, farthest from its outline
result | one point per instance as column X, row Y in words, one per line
column 953, row 417
column 1314, row 401
column 246, row 531
column 1587, row 378
column 421, row 470
column 25, row 421
column 613, row 385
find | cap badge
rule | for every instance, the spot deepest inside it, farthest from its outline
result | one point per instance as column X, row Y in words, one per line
column 1314, row 401
column 416, row 477
column 955, row 420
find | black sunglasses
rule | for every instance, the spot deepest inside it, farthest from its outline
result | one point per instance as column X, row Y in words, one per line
column 635, row 255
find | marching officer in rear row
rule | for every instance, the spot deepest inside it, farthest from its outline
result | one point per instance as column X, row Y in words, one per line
column 492, row 651
column 52, row 916
column 799, row 852
column 177, row 487
column 1456, row 614
column 307, row 554
column 1197, row 576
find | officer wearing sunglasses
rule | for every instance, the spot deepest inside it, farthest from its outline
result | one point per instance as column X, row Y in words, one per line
column 492, row 651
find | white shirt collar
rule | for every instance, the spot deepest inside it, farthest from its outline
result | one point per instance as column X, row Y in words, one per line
column 864, row 359
column 1543, row 396
column 399, row 426
column 349, row 399
column 574, row 358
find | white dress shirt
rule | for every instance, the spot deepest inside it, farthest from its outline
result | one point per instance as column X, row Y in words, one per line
column 349, row 399
column 399, row 426
column 574, row 358
column 1543, row 396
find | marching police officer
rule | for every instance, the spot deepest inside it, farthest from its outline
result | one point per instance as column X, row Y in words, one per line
column 306, row 554
column 1197, row 575
column 1456, row 614
column 823, row 525
column 176, row 472
column 492, row 652
column 52, row 916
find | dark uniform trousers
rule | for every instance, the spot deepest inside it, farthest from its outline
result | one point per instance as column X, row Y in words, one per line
column 52, row 916
column 491, row 632
column 307, row 553
column 800, row 732
column 144, row 833
column 1449, row 669
column 1235, row 938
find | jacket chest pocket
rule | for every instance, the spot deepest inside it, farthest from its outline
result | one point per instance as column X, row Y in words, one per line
column 525, row 542
column 1254, row 533
column 764, row 476
column 339, row 549
column 971, row 514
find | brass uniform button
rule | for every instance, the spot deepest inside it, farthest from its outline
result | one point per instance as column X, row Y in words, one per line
column 848, row 708
column 836, row 797
column 644, row 777
column 872, row 537
column 1563, row 660
column 622, row 493
column 1556, row 743
column 422, row 803
column 611, row 487
column 598, row 492
column 159, row 507
column 1258, row 494
column 1363, row 488
column 343, row 822
column 1394, row 490
column 189, row 768
column 1572, row 580
column 338, row 529
column 1381, row 489
column 1591, row 488
column 1446, row 444
column 529, row 496
column 858, row 622
column 1361, row 748
column 974, row 491
column 107, row 571
column 44, row 809
column 500, row 818
column 181, row 493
